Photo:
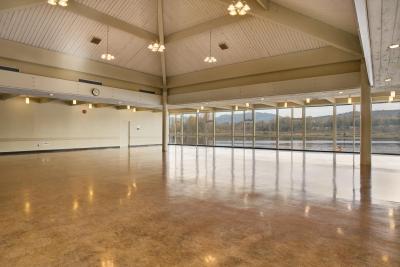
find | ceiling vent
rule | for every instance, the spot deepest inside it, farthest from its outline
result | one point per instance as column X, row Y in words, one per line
column 223, row 46
column 95, row 40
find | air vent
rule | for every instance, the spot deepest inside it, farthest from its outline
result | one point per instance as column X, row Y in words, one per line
column 95, row 40
column 90, row 82
column 147, row 92
column 9, row 69
column 223, row 46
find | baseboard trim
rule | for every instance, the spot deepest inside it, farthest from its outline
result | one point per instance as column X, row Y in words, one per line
column 66, row 150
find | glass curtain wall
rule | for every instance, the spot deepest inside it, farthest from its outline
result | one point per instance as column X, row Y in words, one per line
column 202, row 128
column 265, row 134
column 223, row 128
column 386, row 128
column 248, row 128
column 319, row 135
column 298, row 128
column 238, row 128
column 344, row 128
column 179, row 129
column 285, row 128
column 189, row 129
column 357, row 115
column 172, row 129
column 209, row 136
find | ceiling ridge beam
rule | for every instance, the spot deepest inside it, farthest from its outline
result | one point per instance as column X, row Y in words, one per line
column 308, row 58
column 16, row 4
column 310, row 26
column 105, row 19
column 204, row 27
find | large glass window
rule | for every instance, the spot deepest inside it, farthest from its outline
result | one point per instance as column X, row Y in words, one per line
column 179, row 129
column 297, row 122
column 238, row 119
column 319, row 128
column 223, row 128
column 344, row 128
column 265, row 128
column 248, row 128
column 386, row 128
column 172, row 129
column 285, row 128
column 357, row 115
column 189, row 129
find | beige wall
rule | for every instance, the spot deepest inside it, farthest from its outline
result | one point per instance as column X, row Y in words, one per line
column 58, row 126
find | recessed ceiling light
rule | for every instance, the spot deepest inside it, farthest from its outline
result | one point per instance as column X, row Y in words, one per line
column 393, row 46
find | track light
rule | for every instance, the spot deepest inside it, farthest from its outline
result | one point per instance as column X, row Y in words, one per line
column 308, row 100
column 74, row 102
column 27, row 100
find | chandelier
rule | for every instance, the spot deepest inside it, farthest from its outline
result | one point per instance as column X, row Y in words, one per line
column 62, row 3
column 238, row 7
column 210, row 58
column 107, row 55
column 156, row 47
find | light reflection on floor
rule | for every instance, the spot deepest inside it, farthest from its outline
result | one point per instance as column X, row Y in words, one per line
column 197, row 207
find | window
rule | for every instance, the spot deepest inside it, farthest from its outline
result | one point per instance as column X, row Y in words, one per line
column 223, row 128
column 265, row 128
column 206, row 128
column 189, row 129
column 344, row 128
column 357, row 129
column 248, row 128
column 172, row 129
column 178, row 123
column 238, row 119
column 319, row 128
column 285, row 128
column 386, row 128
column 297, row 122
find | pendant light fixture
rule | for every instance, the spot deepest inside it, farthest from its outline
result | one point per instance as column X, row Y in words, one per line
column 107, row 55
column 238, row 7
column 210, row 59
column 156, row 47
column 63, row 3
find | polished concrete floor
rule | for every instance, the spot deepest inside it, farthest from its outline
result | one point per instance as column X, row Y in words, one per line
column 198, row 207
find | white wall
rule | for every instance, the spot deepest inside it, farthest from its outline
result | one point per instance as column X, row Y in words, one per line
column 58, row 126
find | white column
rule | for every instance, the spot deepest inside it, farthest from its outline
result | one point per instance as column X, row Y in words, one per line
column 165, row 121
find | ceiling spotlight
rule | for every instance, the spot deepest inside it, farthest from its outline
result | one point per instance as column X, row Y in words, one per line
column 210, row 58
column 63, row 3
column 349, row 100
column 308, row 100
column 156, row 47
column 27, row 100
column 393, row 46
column 393, row 94
column 107, row 56
column 238, row 7
column 74, row 102
column 90, row 106
column 388, row 79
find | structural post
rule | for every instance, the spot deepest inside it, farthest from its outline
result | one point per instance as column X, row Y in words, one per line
column 197, row 128
column 165, row 121
column 214, row 139
column 365, row 133
column 354, row 128
column 334, row 129
column 254, row 128
column 291, row 128
column 304, row 122
column 233, row 128
column 277, row 128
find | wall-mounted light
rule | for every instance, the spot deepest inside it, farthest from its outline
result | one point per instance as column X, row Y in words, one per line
column 247, row 105
column 134, row 110
column 285, row 105
column 349, row 100
column 128, row 107
column 308, row 100
column 236, row 108
column 202, row 107
column 391, row 98
column 197, row 111
column 393, row 94
column 27, row 100
column 90, row 106
column 74, row 102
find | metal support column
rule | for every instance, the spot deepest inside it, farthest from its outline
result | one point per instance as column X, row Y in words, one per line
column 254, row 127
column 165, row 120
column 197, row 128
column 277, row 128
column 334, row 128
column 304, row 122
column 233, row 128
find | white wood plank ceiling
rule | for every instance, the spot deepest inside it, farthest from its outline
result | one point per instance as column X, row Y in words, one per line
column 58, row 30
